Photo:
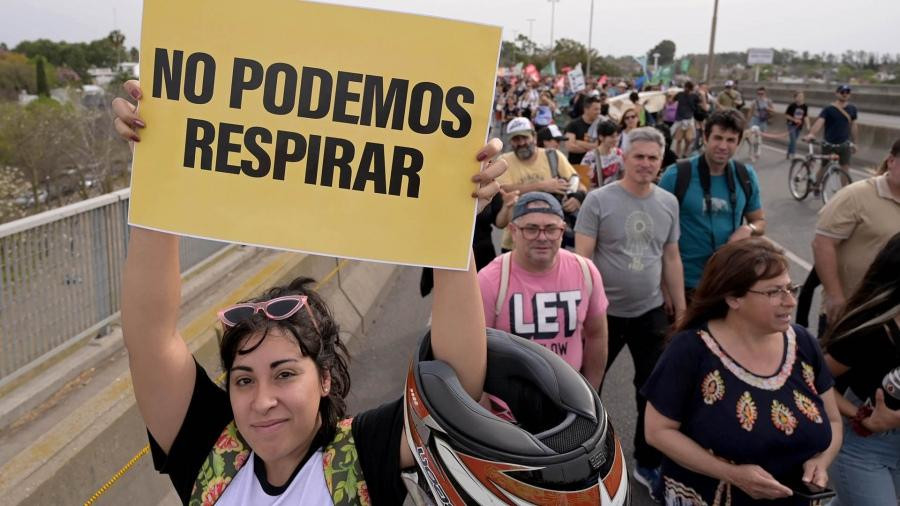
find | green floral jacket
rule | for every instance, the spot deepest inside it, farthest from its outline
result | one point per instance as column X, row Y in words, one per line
column 340, row 463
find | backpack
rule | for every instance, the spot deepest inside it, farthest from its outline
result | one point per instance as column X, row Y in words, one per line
column 505, row 261
column 343, row 474
column 683, row 180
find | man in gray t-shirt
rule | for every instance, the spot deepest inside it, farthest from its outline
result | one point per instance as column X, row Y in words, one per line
column 630, row 230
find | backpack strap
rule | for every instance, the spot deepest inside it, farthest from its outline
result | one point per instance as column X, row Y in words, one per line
column 504, row 283
column 553, row 161
column 682, row 179
column 743, row 177
column 225, row 459
column 586, row 272
column 343, row 473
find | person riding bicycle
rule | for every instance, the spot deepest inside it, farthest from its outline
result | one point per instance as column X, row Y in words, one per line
column 839, row 121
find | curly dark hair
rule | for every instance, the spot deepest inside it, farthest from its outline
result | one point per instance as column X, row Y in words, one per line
column 322, row 345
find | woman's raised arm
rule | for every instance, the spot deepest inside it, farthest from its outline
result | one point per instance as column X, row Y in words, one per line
column 162, row 369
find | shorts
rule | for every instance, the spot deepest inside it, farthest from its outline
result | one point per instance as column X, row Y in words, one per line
column 687, row 124
column 843, row 150
column 763, row 124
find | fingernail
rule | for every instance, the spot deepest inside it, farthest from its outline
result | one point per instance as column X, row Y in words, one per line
column 136, row 94
column 136, row 138
column 139, row 123
column 482, row 156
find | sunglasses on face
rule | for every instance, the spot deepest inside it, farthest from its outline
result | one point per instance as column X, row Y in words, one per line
column 279, row 308
column 630, row 117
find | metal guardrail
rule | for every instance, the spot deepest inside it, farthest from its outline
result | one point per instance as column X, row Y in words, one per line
column 60, row 274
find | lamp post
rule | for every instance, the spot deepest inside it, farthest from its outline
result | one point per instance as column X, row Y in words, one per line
column 655, row 62
column 530, row 29
column 552, row 20
column 587, row 73
column 710, row 60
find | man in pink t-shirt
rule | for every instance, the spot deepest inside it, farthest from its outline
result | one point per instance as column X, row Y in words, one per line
column 552, row 296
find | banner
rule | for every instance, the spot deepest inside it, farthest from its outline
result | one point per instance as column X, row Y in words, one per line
column 303, row 126
column 685, row 65
column 576, row 78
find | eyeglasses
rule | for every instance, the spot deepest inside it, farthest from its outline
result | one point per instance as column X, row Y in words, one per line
column 630, row 117
column 532, row 232
column 845, row 92
column 279, row 308
column 776, row 294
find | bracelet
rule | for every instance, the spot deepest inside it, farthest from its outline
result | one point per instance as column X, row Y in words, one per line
column 753, row 229
column 856, row 424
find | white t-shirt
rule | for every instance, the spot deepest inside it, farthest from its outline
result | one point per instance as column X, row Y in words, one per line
column 307, row 487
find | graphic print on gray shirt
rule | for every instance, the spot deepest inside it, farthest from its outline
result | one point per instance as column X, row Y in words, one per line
column 631, row 233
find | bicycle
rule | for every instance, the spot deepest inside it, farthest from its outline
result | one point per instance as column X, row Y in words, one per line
column 801, row 177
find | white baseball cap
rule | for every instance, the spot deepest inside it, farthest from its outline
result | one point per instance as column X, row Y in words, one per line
column 519, row 126
column 729, row 83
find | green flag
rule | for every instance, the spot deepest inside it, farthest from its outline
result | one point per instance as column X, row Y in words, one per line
column 549, row 69
column 685, row 65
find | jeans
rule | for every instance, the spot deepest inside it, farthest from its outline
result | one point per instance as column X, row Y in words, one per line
column 645, row 337
column 866, row 472
column 793, row 134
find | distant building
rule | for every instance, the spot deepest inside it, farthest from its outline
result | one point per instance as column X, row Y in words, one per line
column 105, row 75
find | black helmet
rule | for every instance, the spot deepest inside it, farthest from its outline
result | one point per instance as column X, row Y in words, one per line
column 560, row 450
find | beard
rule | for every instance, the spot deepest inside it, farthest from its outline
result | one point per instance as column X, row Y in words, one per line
column 525, row 152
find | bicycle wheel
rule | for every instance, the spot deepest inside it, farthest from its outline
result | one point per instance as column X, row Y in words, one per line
column 834, row 179
column 798, row 179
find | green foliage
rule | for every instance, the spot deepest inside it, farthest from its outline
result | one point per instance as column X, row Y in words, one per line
column 566, row 53
column 666, row 50
column 43, row 87
column 78, row 56
column 16, row 73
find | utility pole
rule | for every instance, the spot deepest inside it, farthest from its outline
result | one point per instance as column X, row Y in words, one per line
column 655, row 62
column 710, row 60
column 587, row 73
column 552, row 21
column 531, row 28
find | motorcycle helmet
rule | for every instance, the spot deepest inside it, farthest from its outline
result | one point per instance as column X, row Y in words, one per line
column 560, row 448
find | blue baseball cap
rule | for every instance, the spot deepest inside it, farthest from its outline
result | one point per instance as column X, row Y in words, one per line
column 842, row 88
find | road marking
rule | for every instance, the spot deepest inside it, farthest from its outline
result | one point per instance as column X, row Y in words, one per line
column 793, row 257
column 865, row 174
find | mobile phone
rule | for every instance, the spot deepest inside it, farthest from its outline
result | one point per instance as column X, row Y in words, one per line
column 809, row 490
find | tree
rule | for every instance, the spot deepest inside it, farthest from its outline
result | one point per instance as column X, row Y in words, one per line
column 98, row 153
column 11, row 188
column 43, row 88
column 666, row 50
column 133, row 54
column 16, row 74
column 36, row 139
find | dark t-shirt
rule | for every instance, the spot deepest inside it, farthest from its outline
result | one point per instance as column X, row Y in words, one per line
column 837, row 128
column 579, row 127
column 870, row 355
column 376, row 433
column 798, row 112
column 777, row 422
column 688, row 105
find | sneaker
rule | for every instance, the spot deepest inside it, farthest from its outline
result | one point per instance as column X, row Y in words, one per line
column 650, row 478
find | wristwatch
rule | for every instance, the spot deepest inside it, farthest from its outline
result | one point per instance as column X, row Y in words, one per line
column 753, row 229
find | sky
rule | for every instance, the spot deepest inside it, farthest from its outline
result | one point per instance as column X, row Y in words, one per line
column 620, row 27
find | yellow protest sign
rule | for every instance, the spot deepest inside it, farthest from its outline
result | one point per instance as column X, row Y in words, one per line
column 312, row 127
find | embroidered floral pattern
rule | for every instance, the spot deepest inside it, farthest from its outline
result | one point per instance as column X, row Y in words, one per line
column 807, row 407
column 770, row 383
column 214, row 490
column 782, row 418
column 809, row 376
column 747, row 412
column 713, row 388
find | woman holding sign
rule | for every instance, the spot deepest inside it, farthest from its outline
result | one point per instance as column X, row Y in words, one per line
column 277, row 433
